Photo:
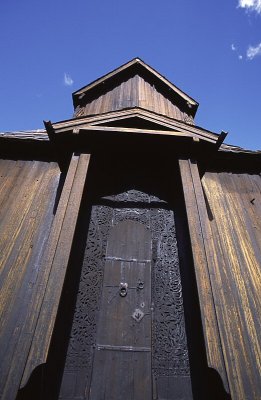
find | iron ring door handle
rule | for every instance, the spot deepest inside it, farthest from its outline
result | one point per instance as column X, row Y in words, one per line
column 140, row 285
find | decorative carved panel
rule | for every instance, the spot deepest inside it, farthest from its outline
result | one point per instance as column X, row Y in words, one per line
column 169, row 345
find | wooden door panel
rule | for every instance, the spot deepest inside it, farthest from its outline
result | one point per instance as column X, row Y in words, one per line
column 121, row 375
column 125, row 321
column 129, row 240
column 122, row 359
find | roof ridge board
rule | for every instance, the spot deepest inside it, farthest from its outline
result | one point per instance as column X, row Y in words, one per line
column 127, row 65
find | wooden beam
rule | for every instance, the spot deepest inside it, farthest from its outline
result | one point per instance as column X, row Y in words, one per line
column 200, row 236
column 221, row 139
column 110, row 129
column 49, row 129
column 170, row 123
column 39, row 135
column 57, row 257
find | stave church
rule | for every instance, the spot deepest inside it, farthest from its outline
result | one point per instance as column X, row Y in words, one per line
column 130, row 251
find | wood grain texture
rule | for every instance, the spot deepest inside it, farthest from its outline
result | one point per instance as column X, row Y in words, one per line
column 58, row 252
column 39, row 135
column 139, row 66
column 27, row 196
column 143, row 132
column 200, row 238
column 123, row 343
column 133, row 92
column 235, row 203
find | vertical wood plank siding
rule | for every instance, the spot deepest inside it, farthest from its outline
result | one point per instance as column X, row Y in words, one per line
column 135, row 92
column 27, row 196
column 235, row 205
column 57, row 256
column 201, row 242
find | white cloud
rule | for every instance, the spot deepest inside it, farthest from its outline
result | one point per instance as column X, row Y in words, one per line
column 250, row 5
column 234, row 48
column 67, row 80
column 252, row 52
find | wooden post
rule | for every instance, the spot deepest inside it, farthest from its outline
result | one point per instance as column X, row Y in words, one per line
column 200, row 237
column 57, row 257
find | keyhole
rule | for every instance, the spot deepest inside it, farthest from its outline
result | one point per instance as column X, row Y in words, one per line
column 123, row 289
column 123, row 292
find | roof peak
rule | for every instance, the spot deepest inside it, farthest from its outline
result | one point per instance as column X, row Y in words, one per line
column 134, row 83
column 127, row 65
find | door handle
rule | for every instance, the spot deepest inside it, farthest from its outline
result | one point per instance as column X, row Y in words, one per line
column 140, row 285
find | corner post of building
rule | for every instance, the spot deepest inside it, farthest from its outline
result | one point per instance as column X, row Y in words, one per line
column 56, row 260
column 200, row 237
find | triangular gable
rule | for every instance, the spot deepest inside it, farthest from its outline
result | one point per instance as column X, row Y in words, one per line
column 134, row 84
column 135, row 62
column 133, row 121
column 145, row 121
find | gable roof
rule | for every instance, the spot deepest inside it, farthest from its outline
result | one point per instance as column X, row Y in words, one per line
column 106, row 122
column 129, row 69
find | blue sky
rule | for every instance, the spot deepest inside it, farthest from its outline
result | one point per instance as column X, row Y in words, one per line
column 210, row 49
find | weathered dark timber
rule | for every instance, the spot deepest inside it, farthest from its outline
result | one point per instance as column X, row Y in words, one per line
column 142, row 87
column 139, row 93
column 224, row 247
column 28, row 192
column 123, row 343
column 57, row 259
column 235, row 226
column 123, row 118
column 149, row 163
column 39, row 134
column 199, row 235
column 221, row 139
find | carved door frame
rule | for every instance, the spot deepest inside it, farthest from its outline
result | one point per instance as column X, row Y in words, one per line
column 170, row 362
column 58, row 252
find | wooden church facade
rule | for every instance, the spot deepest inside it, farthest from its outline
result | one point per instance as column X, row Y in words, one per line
column 130, row 251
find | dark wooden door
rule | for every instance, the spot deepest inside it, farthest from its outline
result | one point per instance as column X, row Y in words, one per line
column 118, row 347
column 122, row 358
